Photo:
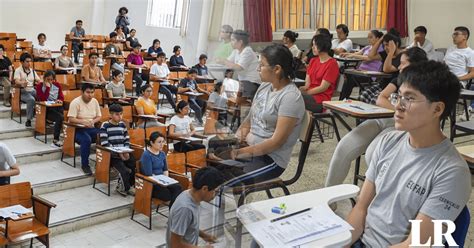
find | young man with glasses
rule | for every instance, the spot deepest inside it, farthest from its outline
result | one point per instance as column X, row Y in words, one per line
column 414, row 172
column 460, row 57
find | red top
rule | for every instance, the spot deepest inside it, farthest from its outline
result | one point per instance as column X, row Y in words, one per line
column 43, row 95
column 318, row 72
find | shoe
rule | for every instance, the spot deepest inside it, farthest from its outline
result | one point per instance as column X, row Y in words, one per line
column 7, row 104
column 56, row 143
column 131, row 192
column 87, row 170
column 122, row 192
column 469, row 109
column 28, row 123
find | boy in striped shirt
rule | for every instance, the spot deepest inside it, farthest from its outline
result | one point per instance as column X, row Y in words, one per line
column 113, row 133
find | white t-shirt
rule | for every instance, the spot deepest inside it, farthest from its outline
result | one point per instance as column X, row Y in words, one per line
column 346, row 44
column 6, row 158
column 294, row 50
column 459, row 60
column 160, row 70
column 427, row 46
column 41, row 48
column 248, row 60
column 231, row 87
column 182, row 125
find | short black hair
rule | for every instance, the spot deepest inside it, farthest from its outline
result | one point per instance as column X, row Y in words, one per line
column 464, row 30
column 123, row 8
column 113, row 34
column 227, row 71
column 242, row 36
column 323, row 43
column 41, row 34
column 153, row 137
column 421, row 29
column 181, row 104
column 116, row 73
column 161, row 54
column 49, row 73
column 415, row 55
column 63, row 46
column 86, row 86
column 144, row 87
column 291, row 35
column 192, row 71
column 115, row 108
column 78, row 21
column 93, row 54
column 2, row 47
column 137, row 45
column 344, row 28
column 324, row 31
column 176, row 48
column 393, row 35
column 278, row 54
column 435, row 81
column 25, row 56
column 131, row 30
column 208, row 176
column 376, row 33
column 202, row 56
column 155, row 41
column 217, row 87
column 117, row 28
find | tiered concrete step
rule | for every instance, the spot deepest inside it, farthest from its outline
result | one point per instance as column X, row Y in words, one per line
column 5, row 111
column 10, row 129
column 29, row 150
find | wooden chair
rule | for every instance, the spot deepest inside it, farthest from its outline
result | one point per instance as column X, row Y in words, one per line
column 176, row 162
column 144, row 201
column 70, row 95
column 10, row 55
column 30, row 226
column 155, row 96
column 42, row 67
column 16, row 102
column 196, row 159
column 8, row 40
column 128, row 80
column 67, row 81
column 25, row 46
column 41, row 126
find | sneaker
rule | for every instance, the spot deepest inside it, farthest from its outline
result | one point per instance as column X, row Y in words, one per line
column 87, row 170
column 7, row 104
column 131, row 192
column 28, row 123
column 56, row 143
column 120, row 191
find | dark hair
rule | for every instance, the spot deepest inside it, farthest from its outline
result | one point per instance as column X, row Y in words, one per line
column 227, row 28
column 464, row 30
column 421, row 29
column 93, row 54
column 155, row 41
column 78, row 21
column 86, row 86
column 228, row 71
column 25, row 56
column 123, row 8
column 192, row 71
column 131, row 30
column 344, row 28
column 63, row 46
column 117, row 28
column 49, row 73
column 113, row 34
column 202, row 56
column 324, row 31
column 278, row 54
column 153, row 137
column 116, row 73
column 181, row 104
column 291, row 35
column 415, row 55
column 144, row 87
column 2, row 47
column 435, row 81
column 323, row 43
column 393, row 35
column 41, row 34
column 217, row 87
column 161, row 54
column 115, row 108
column 376, row 33
column 208, row 176
column 176, row 48
column 137, row 45
column 242, row 36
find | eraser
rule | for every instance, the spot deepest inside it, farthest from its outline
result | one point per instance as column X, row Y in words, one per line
column 278, row 210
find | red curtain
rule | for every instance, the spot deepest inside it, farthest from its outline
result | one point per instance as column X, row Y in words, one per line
column 397, row 16
column 257, row 20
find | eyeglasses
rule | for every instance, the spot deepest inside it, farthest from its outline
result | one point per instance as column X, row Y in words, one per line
column 457, row 33
column 405, row 102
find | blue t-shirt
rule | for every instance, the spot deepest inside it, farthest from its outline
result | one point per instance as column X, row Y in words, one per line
column 152, row 50
column 153, row 164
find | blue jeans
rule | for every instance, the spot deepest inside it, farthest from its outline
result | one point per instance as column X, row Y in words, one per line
column 85, row 137
column 358, row 244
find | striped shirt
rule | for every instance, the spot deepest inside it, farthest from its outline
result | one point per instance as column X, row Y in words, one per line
column 114, row 135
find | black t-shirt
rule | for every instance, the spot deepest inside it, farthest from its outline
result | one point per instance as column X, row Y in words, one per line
column 133, row 41
column 4, row 64
column 395, row 63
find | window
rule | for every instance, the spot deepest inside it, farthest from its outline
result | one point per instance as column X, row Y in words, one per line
column 358, row 15
column 165, row 13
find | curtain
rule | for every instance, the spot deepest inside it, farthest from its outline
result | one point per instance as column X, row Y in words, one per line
column 397, row 16
column 257, row 20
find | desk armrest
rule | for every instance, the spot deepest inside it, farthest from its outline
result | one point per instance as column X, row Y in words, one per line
column 43, row 201
column 74, row 125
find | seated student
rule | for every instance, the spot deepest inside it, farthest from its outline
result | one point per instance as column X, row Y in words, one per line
column 189, row 84
column 153, row 162
column 113, row 133
column 230, row 87
column 183, row 221
column 63, row 63
column 218, row 101
column 460, row 57
column 182, row 126
column 357, row 141
column 270, row 132
column 321, row 76
column 201, row 68
column 136, row 62
column 131, row 40
column 85, row 110
column 8, row 165
column 176, row 60
column 367, row 64
column 111, row 50
column 341, row 44
column 120, row 34
column 51, row 90
column 27, row 78
column 289, row 40
column 6, row 76
column 41, row 51
column 77, row 34
column 115, row 88
column 160, row 72
column 155, row 49
column 309, row 55
column 91, row 72
column 420, row 40
column 415, row 172
column 146, row 106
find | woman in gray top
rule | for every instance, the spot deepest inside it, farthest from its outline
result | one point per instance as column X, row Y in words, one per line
column 272, row 127
column 63, row 64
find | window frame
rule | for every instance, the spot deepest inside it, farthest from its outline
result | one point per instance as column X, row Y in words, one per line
column 176, row 21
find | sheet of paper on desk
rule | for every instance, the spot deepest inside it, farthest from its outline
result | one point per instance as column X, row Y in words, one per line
column 50, row 102
column 164, row 180
column 360, row 107
column 193, row 93
column 13, row 211
column 317, row 223
column 120, row 149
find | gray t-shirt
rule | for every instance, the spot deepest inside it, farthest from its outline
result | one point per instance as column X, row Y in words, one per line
column 434, row 181
column 6, row 158
column 117, row 90
column 267, row 106
column 77, row 33
column 184, row 219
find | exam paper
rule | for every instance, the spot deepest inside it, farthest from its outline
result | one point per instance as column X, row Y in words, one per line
column 13, row 212
column 164, row 180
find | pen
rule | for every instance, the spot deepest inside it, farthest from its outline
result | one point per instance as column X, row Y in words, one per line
column 357, row 107
column 289, row 215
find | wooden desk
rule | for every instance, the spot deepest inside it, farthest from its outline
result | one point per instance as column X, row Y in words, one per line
column 347, row 62
column 325, row 196
column 41, row 108
column 369, row 74
column 467, row 152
